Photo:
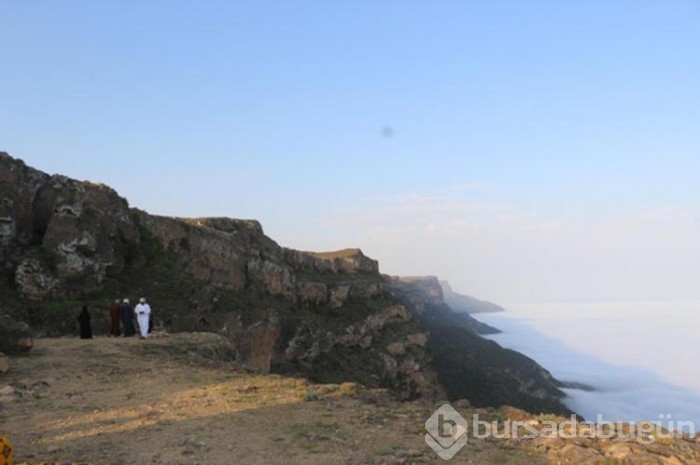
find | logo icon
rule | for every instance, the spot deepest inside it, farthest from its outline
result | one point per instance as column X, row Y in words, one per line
column 447, row 432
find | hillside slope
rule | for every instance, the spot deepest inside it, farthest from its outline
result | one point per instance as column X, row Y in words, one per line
column 331, row 316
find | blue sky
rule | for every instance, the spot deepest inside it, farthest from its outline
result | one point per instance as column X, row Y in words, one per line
column 526, row 151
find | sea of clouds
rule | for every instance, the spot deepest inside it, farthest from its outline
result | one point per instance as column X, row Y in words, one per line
column 640, row 358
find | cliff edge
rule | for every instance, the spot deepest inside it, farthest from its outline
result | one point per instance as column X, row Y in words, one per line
column 329, row 316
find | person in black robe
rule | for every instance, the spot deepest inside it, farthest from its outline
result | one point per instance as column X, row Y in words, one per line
column 114, row 317
column 85, row 326
column 127, row 314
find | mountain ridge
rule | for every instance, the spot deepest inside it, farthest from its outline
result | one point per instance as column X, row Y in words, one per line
column 466, row 303
column 329, row 316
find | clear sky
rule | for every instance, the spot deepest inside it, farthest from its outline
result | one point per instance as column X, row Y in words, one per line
column 524, row 150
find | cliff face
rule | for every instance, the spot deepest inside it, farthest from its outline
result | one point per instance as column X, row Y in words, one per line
column 59, row 236
column 471, row 367
column 329, row 316
column 466, row 303
column 325, row 315
column 427, row 293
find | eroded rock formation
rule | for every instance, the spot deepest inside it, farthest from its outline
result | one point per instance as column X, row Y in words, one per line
column 15, row 336
column 330, row 316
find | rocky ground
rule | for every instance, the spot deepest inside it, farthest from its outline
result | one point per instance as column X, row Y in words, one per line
column 178, row 400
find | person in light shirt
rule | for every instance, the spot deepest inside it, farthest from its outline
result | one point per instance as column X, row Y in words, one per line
column 143, row 315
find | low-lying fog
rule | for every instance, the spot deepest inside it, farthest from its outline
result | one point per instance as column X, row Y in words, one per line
column 639, row 357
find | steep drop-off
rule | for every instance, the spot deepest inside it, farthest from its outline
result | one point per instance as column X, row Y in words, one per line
column 329, row 316
column 466, row 303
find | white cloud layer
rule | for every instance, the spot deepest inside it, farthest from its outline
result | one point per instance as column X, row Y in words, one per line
column 638, row 356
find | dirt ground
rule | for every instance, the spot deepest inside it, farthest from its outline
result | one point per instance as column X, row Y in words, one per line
column 164, row 401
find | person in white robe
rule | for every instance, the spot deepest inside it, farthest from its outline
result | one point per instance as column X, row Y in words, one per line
column 143, row 315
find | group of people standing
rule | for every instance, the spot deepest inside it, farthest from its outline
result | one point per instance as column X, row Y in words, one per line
column 121, row 316
column 122, row 313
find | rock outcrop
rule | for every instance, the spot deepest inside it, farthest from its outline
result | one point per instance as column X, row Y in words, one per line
column 60, row 236
column 330, row 316
column 471, row 367
column 4, row 363
column 15, row 336
column 325, row 315
column 426, row 292
column 466, row 303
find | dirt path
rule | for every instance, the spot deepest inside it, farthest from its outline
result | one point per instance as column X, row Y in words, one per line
column 162, row 401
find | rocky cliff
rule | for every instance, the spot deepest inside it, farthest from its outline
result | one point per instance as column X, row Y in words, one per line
column 466, row 303
column 471, row 367
column 329, row 316
column 326, row 315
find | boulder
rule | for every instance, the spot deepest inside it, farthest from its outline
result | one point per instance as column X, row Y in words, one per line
column 396, row 349
column 4, row 363
column 15, row 336
column 618, row 451
column 418, row 339
column 461, row 403
column 255, row 343
column 7, row 391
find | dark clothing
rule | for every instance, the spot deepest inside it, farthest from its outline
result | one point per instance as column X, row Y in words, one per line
column 128, row 320
column 114, row 316
column 85, row 326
